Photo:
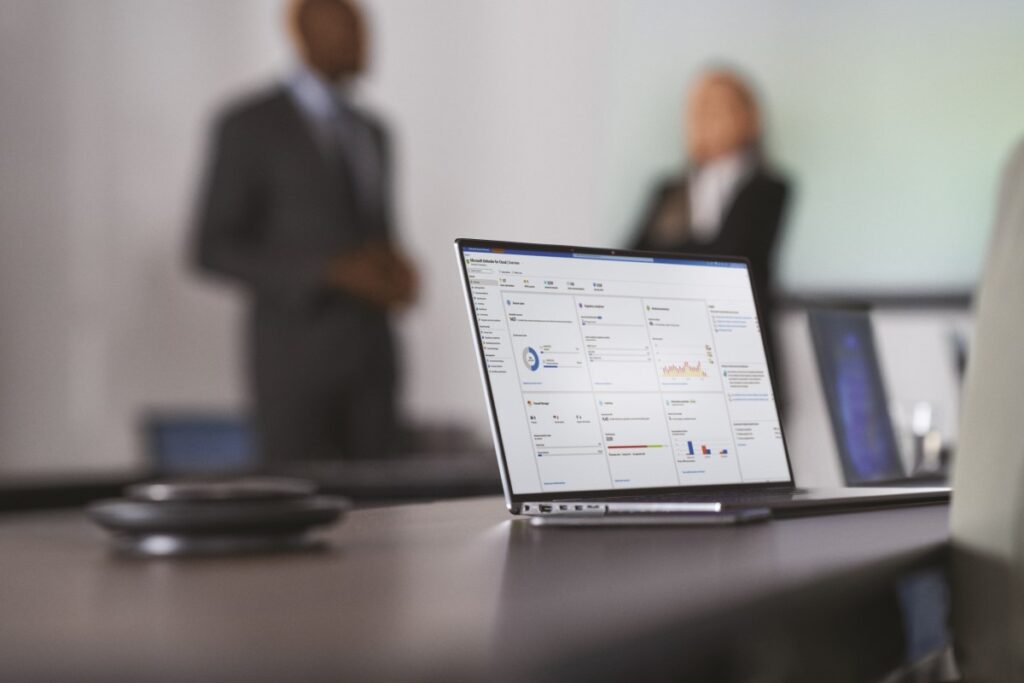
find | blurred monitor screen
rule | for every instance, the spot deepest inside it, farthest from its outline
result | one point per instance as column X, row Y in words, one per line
column 852, row 381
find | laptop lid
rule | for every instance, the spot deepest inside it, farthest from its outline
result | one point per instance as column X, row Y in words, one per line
column 612, row 372
column 851, row 378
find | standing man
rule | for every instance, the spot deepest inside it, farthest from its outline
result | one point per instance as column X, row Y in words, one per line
column 296, row 208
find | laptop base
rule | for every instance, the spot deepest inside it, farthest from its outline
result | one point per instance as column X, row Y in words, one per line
column 782, row 503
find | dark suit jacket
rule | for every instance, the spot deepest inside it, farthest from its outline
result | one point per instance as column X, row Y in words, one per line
column 274, row 212
column 750, row 228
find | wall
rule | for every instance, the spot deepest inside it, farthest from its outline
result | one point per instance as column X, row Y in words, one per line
column 102, row 119
column 538, row 120
column 893, row 118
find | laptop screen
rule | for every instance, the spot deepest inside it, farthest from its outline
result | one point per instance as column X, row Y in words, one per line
column 844, row 344
column 611, row 372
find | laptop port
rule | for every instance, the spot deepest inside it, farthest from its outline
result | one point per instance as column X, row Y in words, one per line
column 545, row 508
column 579, row 507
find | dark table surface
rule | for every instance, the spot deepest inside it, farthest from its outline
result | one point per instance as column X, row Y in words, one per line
column 367, row 482
column 454, row 590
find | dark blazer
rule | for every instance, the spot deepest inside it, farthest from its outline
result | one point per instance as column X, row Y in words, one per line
column 750, row 228
column 274, row 211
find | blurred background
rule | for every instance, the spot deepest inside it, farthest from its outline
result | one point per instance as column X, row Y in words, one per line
column 527, row 120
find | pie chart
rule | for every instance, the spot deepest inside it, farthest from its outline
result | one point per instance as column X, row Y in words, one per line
column 531, row 359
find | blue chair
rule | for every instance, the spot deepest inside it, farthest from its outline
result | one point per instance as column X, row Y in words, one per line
column 195, row 443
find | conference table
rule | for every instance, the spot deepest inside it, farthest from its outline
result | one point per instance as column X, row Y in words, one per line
column 459, row 590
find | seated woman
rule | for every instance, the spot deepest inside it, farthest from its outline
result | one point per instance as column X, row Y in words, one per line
column 727, row 201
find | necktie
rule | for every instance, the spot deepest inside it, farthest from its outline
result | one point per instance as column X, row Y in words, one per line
column 342, row 154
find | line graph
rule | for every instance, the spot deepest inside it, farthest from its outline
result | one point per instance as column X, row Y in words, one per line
column 687, row 370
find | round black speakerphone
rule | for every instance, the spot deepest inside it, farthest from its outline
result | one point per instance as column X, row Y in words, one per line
column 217, row 517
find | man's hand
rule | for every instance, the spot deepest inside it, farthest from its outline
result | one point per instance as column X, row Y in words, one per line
column 375, row 273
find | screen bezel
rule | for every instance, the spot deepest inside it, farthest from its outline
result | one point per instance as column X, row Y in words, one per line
column 512, row 498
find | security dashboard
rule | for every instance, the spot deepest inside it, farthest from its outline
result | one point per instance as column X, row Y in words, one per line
column 617, row 372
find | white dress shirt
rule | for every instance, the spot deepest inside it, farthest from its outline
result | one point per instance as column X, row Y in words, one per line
column 712, row 188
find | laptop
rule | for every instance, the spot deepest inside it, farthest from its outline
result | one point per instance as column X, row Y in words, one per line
column 858, row 404
column 633, row 383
